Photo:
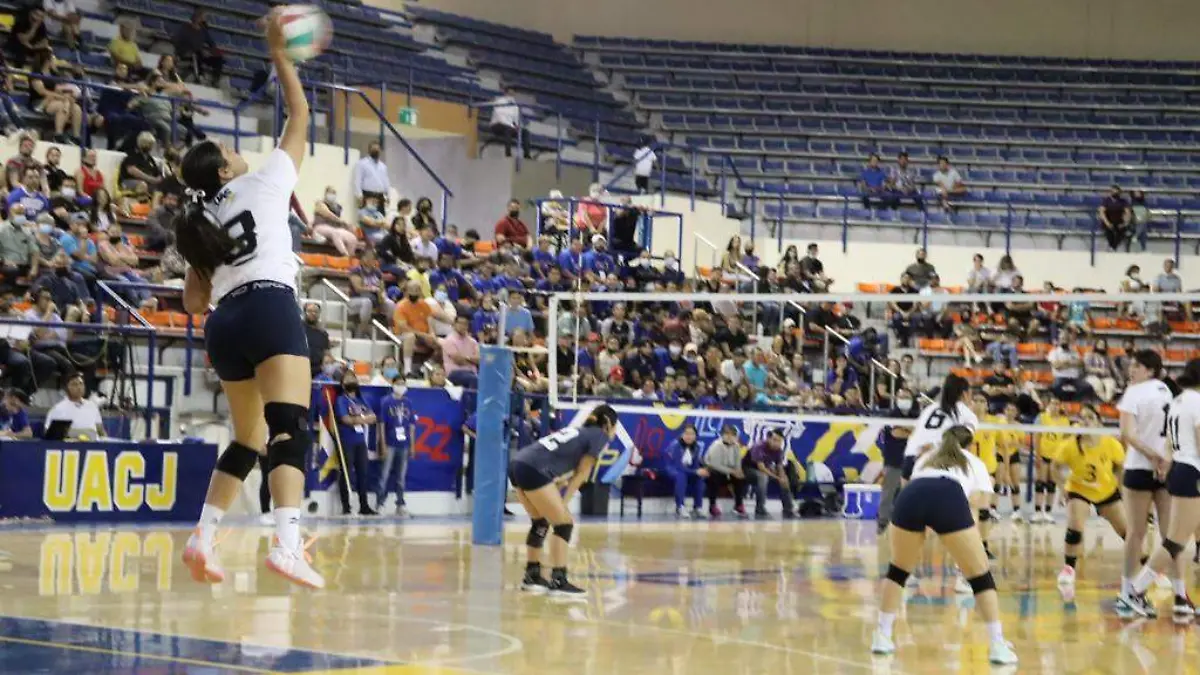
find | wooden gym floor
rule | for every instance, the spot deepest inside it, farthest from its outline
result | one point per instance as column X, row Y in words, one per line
column 667, row 597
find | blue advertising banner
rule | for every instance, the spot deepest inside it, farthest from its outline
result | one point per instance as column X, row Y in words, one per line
column 438, row 443
column 104, row 482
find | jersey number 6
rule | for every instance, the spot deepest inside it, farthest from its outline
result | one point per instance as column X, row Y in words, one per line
column 241, row 228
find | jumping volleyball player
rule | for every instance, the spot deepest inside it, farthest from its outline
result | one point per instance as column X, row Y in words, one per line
column 947, row 486
column 235, row 238
column 1143, row 409
column 1093, row 464
column 1183, row 484
column 534, row 472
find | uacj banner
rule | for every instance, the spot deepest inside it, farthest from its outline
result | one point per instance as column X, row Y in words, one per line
column 438, row 442
column 104, row 482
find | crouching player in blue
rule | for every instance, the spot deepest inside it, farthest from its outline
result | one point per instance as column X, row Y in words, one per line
column 573, row 452
column 948, row 486
column 682, row 468
column 396, row 437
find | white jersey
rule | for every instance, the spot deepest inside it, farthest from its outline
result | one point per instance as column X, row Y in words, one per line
column 1148, row 402
column 973, row 480
column 254, row 208
column 1182, row 421
column 933, row 422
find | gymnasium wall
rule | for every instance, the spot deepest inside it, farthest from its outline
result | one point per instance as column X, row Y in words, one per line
column 1118, row 29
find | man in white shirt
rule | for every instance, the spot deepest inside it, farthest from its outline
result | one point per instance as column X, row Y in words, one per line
column 423, row 245
column 643, row 165
column 506, row 120
column 948, row 182
column 1067, row 368
column 62, row 19
column 371, row 177
column 84, row 415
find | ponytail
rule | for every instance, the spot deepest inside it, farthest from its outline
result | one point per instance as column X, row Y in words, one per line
column 199, row 238
column 949, row 454
column 602, row 415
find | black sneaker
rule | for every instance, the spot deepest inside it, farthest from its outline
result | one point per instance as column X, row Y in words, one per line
column 1140, row 605
column 561, row 588
column 535, row 583
column 1183, row 611
column 762, row 514
column 789, row 515
column 367, row 511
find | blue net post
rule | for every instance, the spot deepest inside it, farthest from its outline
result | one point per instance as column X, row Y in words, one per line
column 491, row 480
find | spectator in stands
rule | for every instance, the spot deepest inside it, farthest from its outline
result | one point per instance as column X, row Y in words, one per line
column 371, row 177
column 511, row 228
column 11, row 117
column 104, row 210
column 1006, row 272
column 53, row 171
column 15, row 166
column 195, row 44
column 1132, row 283
column 1101, row 372
column 14, row 422
column 28, row 37
column 49, row 344
column 422, row 216
column 460, row 354
column 903, row 311
column 841, row 377
column 1170, row 282
column 643, row 165
column 1003, row 349
column 118, row 106
column 1067, row 368
column 423, row 246
column 921, row 271
column 614, row 387
column 506, row 123
column 138, row 203
column 411, row 322
column 599, row 261
column 19, row 255
column 518, row 316
column 368, row 294
column 120, row 261
column 371, row 221
column 1022, row 314
column 979, row 279
column 937, row 316
column 812, row 270
column 83, row 414
column 904, row 182
column 318, row 338
column 948, row 183
column 873, row 184
column 1116, row 218
column 89, row 177
column 329, row 225
column 555, row 217
column 162, row 82
column 123, row 48
column 624, row 228
column 160, row 224
column 394, row 249
column 1141, row 218
column 78, row 245
column 66, row 203
column 62, row 20
column 591, row 215
column 29, row 194
column 45, row 236
column 139, row 165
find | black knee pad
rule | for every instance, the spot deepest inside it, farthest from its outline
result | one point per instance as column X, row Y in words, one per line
column 564, row 531
column 1073, row 537
column 1014, row 490
column 897, row 575
column 981, row 583
column 985, row 515
column 537, row 533
column 238, row 460
column 1043, row 487
column 287, row 425
column 1172, row 547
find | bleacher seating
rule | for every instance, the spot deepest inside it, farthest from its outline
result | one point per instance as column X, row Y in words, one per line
column 1037, row 140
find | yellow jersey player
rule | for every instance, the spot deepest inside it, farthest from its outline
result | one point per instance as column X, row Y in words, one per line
column 1048, row 445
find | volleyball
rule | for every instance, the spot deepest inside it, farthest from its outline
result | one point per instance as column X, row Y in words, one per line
column 307, row 29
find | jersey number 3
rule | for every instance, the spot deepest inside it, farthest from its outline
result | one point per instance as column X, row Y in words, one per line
column 557, row 438
column 241, row 228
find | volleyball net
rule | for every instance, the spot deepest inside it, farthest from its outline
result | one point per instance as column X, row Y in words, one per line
column 833, row 371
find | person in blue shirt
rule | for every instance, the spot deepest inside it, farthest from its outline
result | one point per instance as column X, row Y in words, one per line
column 755, row 371
column 598, row 260
column 82, row 250
column 570, row 260
column 486, row 317
column 873, row 184
column 354, row 421
column 28, row 194
column 484, row 281
column 397, row 433
column 679, row 464
column 544, row 259
column 510, row 277
column 518, row 316
column 447, row 246
column 14, row 422
column 452, row 280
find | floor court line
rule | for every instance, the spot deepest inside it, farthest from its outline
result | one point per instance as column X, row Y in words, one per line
column 133, row 655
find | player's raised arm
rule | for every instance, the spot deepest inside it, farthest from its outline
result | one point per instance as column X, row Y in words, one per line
column 294, row 131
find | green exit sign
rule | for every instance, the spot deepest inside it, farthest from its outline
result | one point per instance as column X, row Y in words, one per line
column 408, row 116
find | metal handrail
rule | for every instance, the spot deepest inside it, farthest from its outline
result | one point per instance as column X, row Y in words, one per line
column 327, row 285
column 875, row 364
column 521, row 140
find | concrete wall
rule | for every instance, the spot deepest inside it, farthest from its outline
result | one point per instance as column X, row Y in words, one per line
column 1119, row 29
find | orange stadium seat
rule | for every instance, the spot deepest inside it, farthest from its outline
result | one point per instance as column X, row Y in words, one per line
column 341, row 263
column 933, row 345
column 1033, row 349
column 362, row 368
column 1185, row 326
column 1102, row 323
column 1129, row 324
column 313, row 259
column 1177, row 355
column 484, row 247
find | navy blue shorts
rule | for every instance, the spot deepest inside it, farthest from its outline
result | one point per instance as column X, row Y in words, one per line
column 1141, row 480
column 1183, row 480
column 526, row 478
column 253, row 323
column 935, row 503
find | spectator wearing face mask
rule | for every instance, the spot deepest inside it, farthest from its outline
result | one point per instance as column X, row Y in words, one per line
column 411, row 321
column 460, row 355
column 18, row 248
column 329, row 225
column 371, row 220
column 511, row 229
column 724, row 465
column 396, row 431
column 892, row 441
column 599, row 261
column 355, row 418
column 371, row 177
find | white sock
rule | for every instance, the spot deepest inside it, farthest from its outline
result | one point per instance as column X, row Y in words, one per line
column 210, row 518
column 886, row 620
column 1125, row 586
column 287, row 527
column 1143, row 580
column 407, row 365
column 1180, row 587
column 995, row 631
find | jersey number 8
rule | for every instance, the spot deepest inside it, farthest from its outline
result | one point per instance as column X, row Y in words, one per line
column 557, row 438
column 241, row 228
